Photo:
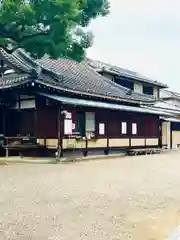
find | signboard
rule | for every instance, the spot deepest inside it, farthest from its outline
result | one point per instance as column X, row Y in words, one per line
column 101, row 128
column 68, row 126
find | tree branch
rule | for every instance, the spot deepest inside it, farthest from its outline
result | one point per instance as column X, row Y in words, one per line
column 20, row 43
column 4, row 33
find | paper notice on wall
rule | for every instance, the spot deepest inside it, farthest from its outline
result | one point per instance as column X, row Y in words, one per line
column 101, row 128
column 124, row 128
column 68, row 126
column 134, row 128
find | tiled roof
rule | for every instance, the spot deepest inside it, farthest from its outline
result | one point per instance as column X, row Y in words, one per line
column 13, row 79
column 163, row 106
column 16, row 61
column 166, row 105
column 100, row 67
column 80, row 77
column 169, row 94
column 66, row 75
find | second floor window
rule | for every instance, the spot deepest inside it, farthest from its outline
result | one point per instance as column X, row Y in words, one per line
column 148, row 90
column 125, row 83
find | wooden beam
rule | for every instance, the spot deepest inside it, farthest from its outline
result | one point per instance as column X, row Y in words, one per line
column 107, row 125
column 35, row 123
column 4, row 121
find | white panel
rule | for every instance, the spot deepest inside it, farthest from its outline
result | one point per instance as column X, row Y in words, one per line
column 138, row 88
column 124, row 128
column 25, row 104
column 137, row 142
column 134, row 128
column 152, row 141
column 166, row 131
column 121, row 142
column 101, row 128
column 68, row 126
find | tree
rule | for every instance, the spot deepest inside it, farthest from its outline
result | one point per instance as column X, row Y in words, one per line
column 57, row 28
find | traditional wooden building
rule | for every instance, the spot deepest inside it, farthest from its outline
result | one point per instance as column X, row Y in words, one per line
column 61, row 104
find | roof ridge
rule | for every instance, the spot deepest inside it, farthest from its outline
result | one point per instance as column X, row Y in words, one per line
column 28, row 59
column 15, row 61
column 112, row 65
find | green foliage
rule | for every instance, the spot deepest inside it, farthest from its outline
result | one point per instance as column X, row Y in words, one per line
column 53, row 27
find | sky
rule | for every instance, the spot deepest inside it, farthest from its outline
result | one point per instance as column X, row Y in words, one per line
column 143, row 36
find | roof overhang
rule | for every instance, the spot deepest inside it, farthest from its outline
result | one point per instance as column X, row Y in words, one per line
column 132, row 77
column 98, row 104
column 170, row 119
column 167, row 110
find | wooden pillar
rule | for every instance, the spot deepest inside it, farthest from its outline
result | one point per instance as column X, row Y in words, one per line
column 60, row 130
column 171, row 141
column 107, row 126
column 85, row 153
column 4, row 121
column 160, row 133
column 59, row 133
column 4, row 131
column 35, row 122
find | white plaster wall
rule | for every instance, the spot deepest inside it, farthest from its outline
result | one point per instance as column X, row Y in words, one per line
column 138, row 87
column 166, row 128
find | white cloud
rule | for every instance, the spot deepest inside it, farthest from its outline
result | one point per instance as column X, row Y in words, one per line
column 143, row 36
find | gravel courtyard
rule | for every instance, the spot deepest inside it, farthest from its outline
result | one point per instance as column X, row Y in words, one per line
column 127, row 198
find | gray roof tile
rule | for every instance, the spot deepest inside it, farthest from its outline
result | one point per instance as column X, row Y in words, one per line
column 169, row 94
column 66, row 75
column 80, row 77
column 100, row 66
column 13, row 79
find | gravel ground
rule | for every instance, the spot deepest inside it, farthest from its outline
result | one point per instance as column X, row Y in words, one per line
column 128, row 198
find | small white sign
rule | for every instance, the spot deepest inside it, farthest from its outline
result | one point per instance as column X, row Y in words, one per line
column 134, row 128
column 101, row 128
column 124, row 128
column 67, row 126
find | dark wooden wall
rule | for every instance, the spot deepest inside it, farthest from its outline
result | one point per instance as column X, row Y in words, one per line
column 19, row 122
column 46, row 123
column 42, row 122
column 147, row 125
